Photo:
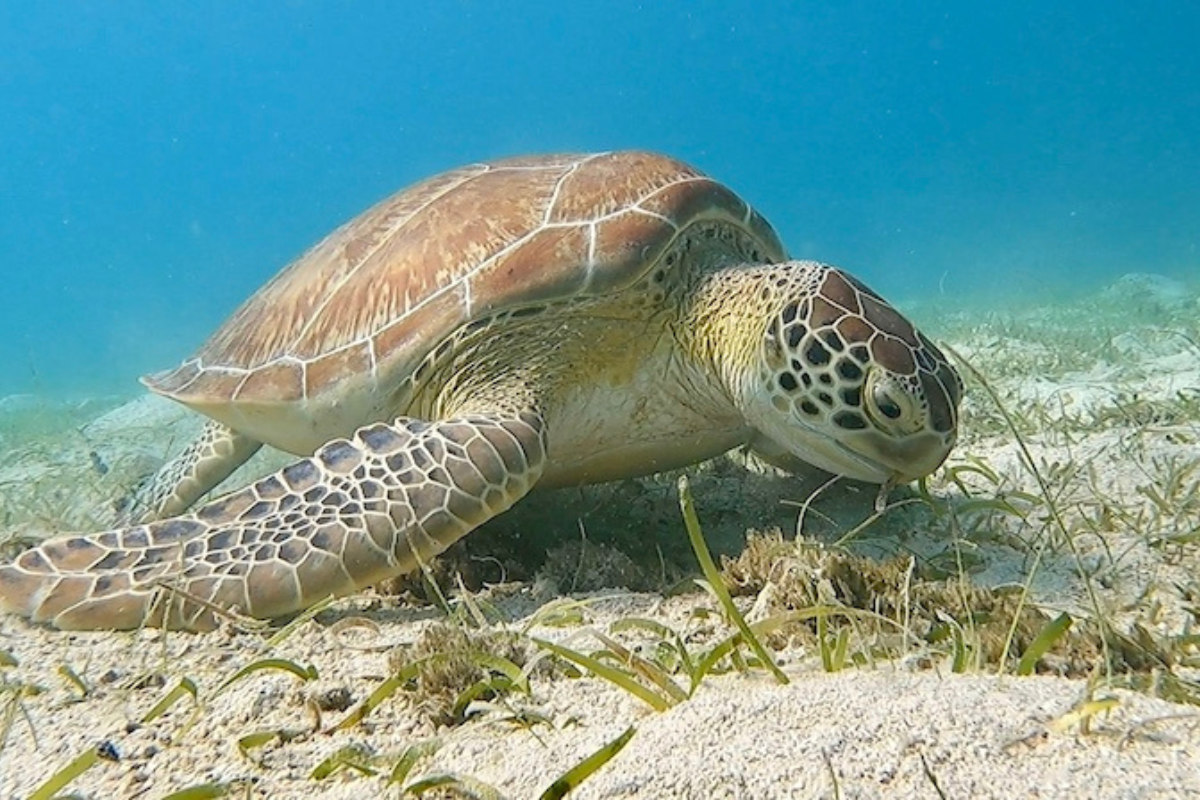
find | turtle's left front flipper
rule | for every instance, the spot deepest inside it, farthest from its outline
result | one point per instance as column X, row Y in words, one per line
column 179, row 483
column 360, row 510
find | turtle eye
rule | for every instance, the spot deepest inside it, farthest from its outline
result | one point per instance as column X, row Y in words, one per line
column 889, row 406
column 886, row 403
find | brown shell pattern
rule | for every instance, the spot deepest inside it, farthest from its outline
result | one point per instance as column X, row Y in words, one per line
column 375, row 295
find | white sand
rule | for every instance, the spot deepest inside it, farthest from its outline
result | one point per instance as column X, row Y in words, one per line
column 878, row 731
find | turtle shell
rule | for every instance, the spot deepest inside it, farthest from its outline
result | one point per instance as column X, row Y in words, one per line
column 316, row 352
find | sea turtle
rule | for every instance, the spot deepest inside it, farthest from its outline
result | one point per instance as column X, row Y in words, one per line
column 549, row 320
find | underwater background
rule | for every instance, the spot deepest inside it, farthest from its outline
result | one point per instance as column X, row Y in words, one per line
column 158, row 162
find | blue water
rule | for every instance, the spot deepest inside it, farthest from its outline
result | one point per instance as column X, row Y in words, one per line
column 161, row 160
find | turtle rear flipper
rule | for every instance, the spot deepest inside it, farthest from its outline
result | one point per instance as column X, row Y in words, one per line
column 360, row 510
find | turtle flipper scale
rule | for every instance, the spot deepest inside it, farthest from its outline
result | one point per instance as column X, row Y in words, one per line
column 209, row 459
column 358, row 511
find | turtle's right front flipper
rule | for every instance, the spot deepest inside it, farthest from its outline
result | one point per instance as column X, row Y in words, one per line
column 360, row 510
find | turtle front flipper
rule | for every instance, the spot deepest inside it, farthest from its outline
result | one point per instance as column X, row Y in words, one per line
column 209, row 459
column 360, row 510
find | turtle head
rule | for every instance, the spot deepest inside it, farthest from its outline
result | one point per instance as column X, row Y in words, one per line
column 847, row 384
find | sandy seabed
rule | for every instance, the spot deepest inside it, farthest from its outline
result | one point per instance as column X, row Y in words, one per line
column 1105, row 393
